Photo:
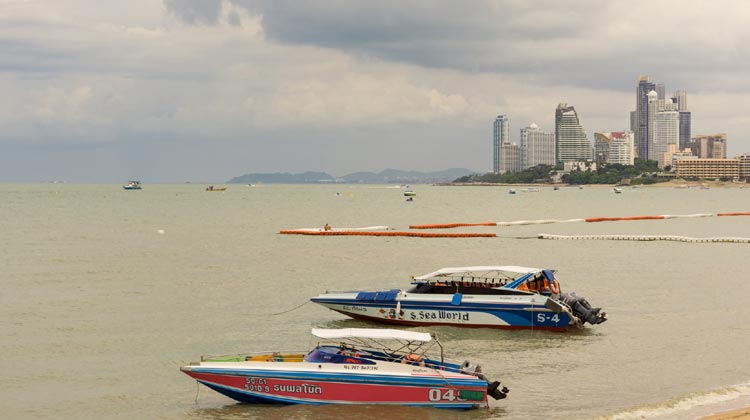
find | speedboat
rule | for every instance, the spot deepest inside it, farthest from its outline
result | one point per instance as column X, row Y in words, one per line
column 409, row 193
column 617, row 190
column 132, row 185
column 351, row 366
column 505, row 297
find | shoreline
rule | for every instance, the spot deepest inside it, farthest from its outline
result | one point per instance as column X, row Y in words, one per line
column 737, row 414
column 675, row 183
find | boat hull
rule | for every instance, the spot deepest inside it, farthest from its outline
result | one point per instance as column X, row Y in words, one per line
column 346, row 387
column 512, row 313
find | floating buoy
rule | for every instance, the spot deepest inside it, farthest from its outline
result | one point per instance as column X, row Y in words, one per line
column 646, row 238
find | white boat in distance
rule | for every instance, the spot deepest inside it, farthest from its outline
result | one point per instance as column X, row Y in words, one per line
column 505, row 297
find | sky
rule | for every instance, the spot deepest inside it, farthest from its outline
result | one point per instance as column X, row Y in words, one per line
column 102, row 91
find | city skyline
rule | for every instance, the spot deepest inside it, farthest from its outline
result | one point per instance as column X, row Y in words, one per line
column 178, row 90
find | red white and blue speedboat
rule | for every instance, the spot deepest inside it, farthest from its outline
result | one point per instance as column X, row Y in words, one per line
column 355, row 366
column 506, row 297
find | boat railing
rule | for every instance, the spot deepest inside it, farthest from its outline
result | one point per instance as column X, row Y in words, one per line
column 267, row 356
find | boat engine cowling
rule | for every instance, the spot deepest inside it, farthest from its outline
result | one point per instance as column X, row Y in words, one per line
column 582, row 308
column 493, row 388
column 494, row 392
column 469, row 368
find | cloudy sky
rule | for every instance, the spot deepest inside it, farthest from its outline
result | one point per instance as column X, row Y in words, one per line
column 205, row 90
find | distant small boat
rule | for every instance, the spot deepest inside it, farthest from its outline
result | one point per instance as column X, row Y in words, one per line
column 409, row 193
column 212, row 188
column 511, row 191
column 555, row 188
column 132, row 185
column 617, row 190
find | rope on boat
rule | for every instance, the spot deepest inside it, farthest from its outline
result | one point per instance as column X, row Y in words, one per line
column 647, row 238
column 587, row 220
column 290, row 310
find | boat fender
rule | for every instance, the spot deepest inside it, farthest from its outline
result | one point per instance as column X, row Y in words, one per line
column 456, row 300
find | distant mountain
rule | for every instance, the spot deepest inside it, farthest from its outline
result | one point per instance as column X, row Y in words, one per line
column 395, row 176
column 284, row 178
column 388, row 176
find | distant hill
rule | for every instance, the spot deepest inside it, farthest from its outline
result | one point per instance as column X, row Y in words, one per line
column 388, row 176
column 284, row 178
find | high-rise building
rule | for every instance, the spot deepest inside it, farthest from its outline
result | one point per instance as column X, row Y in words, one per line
column 537, row 147
column 685, row 130
column 510, row 158
column 660, row 91
column 709, row 146
column 615, row 147
column 645, row 85
column 666, row 132
column 572, row 143
column 500, row 135
column 680, row 98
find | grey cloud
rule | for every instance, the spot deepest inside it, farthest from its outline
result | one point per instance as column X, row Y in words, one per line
column 195, row 11
column 592, row 44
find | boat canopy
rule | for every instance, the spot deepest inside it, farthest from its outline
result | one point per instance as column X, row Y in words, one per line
column 478, row 271
column 371, row 333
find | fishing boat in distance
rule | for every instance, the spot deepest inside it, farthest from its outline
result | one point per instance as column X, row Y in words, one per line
column 505, row 297
column 351, row 366
column 132, row 185
column 409, row 193
column 212, row 188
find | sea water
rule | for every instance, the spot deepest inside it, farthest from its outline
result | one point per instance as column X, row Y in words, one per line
column 107, row 292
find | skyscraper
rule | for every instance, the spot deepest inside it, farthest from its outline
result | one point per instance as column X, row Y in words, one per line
column 666, row 133
column 572, row 144
column 645, row 85
column 510, row 159
column 685, row 130
column 680, row 98
column 500, row 135
column 537, row 147
column 614, row 147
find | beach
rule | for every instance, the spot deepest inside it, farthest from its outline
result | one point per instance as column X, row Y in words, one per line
column 741, row 414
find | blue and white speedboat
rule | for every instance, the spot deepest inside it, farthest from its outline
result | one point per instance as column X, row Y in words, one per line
column 352, row 366
column 506, row 297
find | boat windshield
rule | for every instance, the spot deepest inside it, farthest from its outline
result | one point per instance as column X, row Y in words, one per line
column 333, row 354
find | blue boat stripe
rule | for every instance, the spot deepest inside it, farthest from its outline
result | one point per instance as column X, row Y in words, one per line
column 469, row 307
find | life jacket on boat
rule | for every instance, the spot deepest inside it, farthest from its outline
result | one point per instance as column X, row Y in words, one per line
column 413, row 359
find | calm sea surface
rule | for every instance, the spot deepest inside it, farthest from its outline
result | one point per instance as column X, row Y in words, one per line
column 106, row 292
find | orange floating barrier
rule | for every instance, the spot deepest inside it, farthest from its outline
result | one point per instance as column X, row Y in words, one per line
column 734, row 214
column 614, row 219
column 451, row 225
column 388, row 233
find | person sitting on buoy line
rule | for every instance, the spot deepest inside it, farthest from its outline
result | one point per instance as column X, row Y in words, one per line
column 327, row 227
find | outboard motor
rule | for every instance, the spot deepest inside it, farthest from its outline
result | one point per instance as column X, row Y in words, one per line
column 492, row 387
column 494, row 392
column 582, row 308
